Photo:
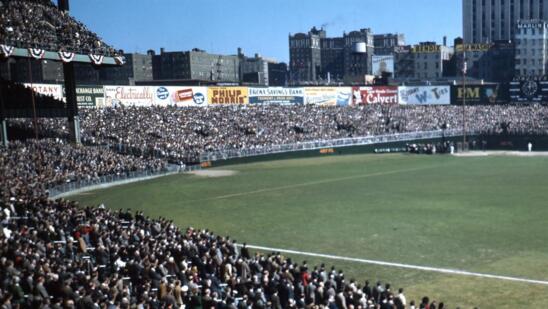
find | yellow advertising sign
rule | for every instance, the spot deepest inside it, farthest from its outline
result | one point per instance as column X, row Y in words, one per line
column 472, row 47
column 227, row 95
column 426, row 48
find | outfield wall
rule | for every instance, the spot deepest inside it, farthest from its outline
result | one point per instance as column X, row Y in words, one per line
column 331, row 151
column 493, row 142
column 475, row 143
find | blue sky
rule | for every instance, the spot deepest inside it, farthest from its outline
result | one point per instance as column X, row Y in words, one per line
column 221, row 26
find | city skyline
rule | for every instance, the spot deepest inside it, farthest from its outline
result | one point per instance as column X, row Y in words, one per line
column 220, row 27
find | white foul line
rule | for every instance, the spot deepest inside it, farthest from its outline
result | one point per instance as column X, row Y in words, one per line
column 399, row 265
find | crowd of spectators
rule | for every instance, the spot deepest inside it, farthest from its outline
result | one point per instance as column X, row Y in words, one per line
column 32, row 167
column 40, row 24
column 54, row 254
column 182, row 134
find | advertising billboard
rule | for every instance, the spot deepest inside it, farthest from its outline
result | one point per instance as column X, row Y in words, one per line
column 129, row 96
column 328, row 96
column 276, row 95
column 90, row 96
column 528, row 91
column 478, row 94
column 227, row 95
column 51, row 90
column 473, row 47
column 181, row 96
column 375, row 95
column 382, row 64
column 426, row 48
column 424, row 95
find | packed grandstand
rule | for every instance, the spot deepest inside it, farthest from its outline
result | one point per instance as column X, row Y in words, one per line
column 180, row 135
column 57, row 254
column 40, row 24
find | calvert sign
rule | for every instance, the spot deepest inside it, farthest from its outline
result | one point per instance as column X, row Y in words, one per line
column 276, row 95
column 424, row 95
column 375, row 95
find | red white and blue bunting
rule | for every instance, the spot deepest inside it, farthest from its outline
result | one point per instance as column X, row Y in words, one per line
column 37, row 53
column 120, row 60
column 97, row 59
column 6, row 51
column 66, row 57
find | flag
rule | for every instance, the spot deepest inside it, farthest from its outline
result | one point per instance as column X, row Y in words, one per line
column 96, row 59
column 66, row 56
column 37, row 53
column 6, row 51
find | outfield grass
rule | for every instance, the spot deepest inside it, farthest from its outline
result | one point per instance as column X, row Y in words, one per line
column 480, row 214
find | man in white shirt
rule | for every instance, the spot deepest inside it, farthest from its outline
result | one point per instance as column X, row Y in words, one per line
column 401, row 296
column 530, row 147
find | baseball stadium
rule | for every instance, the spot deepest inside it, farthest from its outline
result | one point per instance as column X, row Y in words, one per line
column 362, row 194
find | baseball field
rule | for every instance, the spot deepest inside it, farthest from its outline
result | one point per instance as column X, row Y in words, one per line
column 468, row 231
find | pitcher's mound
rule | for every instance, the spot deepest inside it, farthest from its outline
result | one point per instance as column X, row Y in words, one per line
column 213, row 173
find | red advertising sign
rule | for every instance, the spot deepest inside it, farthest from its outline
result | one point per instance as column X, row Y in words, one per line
column 183, row 95
column 376, row 95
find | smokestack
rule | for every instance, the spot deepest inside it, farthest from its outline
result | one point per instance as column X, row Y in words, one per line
column 63, row 5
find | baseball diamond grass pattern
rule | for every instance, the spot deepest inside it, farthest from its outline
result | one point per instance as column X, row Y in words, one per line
column 480, row 214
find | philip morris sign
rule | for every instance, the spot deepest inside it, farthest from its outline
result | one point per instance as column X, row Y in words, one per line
column 227, row 95
column 424, row 95
column 479, row 94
